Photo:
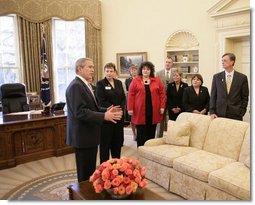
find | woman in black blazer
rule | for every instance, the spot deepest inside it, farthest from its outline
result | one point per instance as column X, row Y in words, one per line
column 196, row 97
column 109, row 91
column 174, row 95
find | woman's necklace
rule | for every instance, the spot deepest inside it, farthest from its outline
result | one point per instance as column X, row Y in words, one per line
column 146, row 81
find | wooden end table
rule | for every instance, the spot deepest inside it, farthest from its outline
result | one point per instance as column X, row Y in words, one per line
column 85, row 191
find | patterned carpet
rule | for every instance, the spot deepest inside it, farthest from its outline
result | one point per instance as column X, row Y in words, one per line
column 53, row 187
column 49, row 178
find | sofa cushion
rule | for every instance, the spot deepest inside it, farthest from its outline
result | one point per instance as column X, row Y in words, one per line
column 178, row 133
column 245, row 149
column 225, row 137
column 199, row 127
column 156, row 172
column 213, row 193
column 164, row 154
column 199, row 164
column 186, row 186
column 234, row 179
column 155, row 141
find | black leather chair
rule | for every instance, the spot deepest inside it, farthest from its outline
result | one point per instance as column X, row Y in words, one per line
column 13, row 97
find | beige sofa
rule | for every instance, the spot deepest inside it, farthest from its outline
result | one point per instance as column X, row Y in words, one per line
column 214, row 165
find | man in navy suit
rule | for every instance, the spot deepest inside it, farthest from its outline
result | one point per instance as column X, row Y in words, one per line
column 230, row 91
column 84, row 118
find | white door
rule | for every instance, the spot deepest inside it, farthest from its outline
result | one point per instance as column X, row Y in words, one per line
column 241, row 48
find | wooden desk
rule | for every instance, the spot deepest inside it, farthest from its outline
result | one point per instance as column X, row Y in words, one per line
column 25, row 137
column 85, row 191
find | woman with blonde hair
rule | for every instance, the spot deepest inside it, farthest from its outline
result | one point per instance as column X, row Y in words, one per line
column 174, row 95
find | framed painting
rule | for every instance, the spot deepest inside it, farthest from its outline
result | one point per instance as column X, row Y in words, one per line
column 125, row 60
column 34, row 99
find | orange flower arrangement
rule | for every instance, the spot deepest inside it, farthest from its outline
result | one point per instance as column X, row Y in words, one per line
column 120, row 176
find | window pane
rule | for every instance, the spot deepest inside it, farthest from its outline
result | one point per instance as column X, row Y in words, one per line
column 9, row 75
column 9, row 64
column 69, row 45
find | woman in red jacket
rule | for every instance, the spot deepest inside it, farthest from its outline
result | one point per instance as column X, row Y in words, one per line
column 146, row 102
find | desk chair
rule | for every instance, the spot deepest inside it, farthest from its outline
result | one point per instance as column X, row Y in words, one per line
column 13, row 97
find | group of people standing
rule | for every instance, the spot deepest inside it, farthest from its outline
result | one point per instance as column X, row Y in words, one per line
column 98, row 117
column 229, row 93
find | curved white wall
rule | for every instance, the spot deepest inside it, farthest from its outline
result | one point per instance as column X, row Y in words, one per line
column 145, row 25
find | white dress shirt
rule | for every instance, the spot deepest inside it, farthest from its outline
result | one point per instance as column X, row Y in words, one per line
column 231, row 74
column 88, row 85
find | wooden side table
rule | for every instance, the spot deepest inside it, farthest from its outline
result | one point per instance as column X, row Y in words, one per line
column 85, row 191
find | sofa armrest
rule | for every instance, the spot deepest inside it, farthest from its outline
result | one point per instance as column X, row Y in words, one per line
column 155, row 142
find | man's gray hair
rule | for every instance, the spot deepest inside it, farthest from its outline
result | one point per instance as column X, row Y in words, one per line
column 81, row 62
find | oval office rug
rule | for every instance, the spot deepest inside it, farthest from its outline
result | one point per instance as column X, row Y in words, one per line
column 53, row 187
column 50, row 187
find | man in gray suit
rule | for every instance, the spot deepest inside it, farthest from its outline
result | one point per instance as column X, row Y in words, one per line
column 84, row 118
column 230, row 91
column 166, row 76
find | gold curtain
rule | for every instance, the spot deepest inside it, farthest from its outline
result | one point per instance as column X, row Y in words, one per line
column 33, row 13
column 42, row 10
column 94, row 48
column 30, row 46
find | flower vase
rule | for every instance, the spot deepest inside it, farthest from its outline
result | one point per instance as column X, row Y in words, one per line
column 117, row 196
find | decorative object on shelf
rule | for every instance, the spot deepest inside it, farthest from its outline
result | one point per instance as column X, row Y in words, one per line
column 194, row 57
column 119, row 177
column 185, row 69
column 125, row 60
column 195, row 69
column 185, row 58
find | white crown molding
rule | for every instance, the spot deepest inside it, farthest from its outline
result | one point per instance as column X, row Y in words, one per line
column 232, row 20
column 232, row 12
column 218, row 9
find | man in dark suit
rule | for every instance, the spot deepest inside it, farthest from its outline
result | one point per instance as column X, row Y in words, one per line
column 84, row 118
column 230, row 91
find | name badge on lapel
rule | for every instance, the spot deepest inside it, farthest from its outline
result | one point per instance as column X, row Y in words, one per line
column 108, row 88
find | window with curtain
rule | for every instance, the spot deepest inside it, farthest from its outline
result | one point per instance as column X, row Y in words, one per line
column 68, row 46
column 10, row 71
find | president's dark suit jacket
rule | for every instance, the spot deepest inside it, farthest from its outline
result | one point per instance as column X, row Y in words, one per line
column 84, row 116
column 192, row 101
column 234, row 104
column 174, row 98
